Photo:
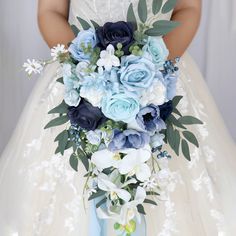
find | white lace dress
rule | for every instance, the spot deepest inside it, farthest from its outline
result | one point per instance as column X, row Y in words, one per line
column 40, row 195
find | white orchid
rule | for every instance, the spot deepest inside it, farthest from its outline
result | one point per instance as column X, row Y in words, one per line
column 113, row 186
column 108, row 59
column 134, row 163
column 103, row 159
column 33, row 66
column 57, row 51
column 123, row 214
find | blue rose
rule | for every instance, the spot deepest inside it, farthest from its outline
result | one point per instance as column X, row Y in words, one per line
column 128, row 139
column 120, row 107
column 84, row 39
column 149, row 119
column 136, row 72
column 86, row 116
column 156, row 50
column 72, row 97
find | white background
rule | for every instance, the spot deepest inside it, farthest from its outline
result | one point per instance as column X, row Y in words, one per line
column 214, row 50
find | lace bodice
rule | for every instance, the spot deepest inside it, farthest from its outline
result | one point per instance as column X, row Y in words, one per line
column 103, row 11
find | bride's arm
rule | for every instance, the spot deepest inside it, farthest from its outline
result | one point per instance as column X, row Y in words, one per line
column 188, row 13
column 53, row 21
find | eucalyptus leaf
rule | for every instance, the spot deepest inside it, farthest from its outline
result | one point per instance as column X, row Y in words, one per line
column 149, row 201
column 177, row 142
column 85, row 25
column 60, row 109
column 84, row 159
column 185, row 149
column 99, row 193
column 95, row 24
column 57, row 121
column 140, row 209
column 60, row 80
column 177, row 112
column 156, row 6
column 176, row 100
column 75, row 29
column 142, row 10
column 170, row 136
column 131, row 16
column 101, row 202
column 163, row 27
column 74, row 161
column 175, row 122
column 168, row 6
column 191, row 138
column 190, row 120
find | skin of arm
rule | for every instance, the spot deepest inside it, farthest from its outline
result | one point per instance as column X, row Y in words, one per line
column 53, row 22
column 188, row 14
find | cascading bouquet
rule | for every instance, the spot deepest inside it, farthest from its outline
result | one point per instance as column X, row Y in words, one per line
column 120, row 99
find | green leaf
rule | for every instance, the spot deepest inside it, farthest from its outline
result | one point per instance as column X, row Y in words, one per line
column 191, row 138
column 175, row 122
column 60, row 80
column 60, row 109
column 176, row 111
column 57, row 121
column 177, row 142
column 168, row 6
column 149, row 201
column 152, row 193
column 185, row 150
column 156, row 6
column 101, row 202
column 84, row 159
column 62, row 139
column 95, row 24
column 140, row 209
column 99, row 193
column 74, row 161
column 75, row 29
column 85, row 25
column 161, row 27
column 173, row 138
column 69, row 144
column 142, row 10
column 131, row 16
column 190, row 120
column 176, row 100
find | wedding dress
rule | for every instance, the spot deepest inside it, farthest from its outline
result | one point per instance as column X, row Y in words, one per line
column 41, row 195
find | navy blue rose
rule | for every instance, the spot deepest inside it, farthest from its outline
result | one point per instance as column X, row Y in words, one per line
column 86, row 116
column 165, row 110
column 128, row 139
column 114, row 33
column 149, row 119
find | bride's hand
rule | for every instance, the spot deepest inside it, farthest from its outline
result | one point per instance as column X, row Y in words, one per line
column 53, row 21
column 188, row 13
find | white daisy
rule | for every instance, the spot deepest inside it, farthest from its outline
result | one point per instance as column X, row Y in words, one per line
column 57, row 51
column 33, row 66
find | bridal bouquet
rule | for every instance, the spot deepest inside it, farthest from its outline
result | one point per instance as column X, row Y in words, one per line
column 120, row 100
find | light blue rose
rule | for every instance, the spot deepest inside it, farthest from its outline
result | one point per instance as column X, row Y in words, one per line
column 136, row 73
column 156, row 50
column 171, row 82
column 72, row 98
column 84, row 38
column 120, row 107
column 94, row 137
column 69, row 78
column 157, row 140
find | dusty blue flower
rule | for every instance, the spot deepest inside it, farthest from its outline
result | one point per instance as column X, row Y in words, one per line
column 128, row 139
column 156, row 50
column 165, row 110
column 72, row 97
column 120, row 107
column 136, row 73
column 157, row 140
column 84, row 39
column 171, row 81
column 149, row 119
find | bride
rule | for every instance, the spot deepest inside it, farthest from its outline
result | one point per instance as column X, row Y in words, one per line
column 41, row 195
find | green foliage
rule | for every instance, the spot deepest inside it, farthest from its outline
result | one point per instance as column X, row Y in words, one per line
column 101, row 202
column 185, row 149
column 60, row 109
column 75, row 29
column 190, row 120
column 168, row 6
column 142, row 10
column 74, row 161
column 191, row 138
column 57, row 121
column 140, row 209
column 156, row 6
column 95, row 24
column 60, row 80
column 85, row 25
column 119, row 52
column 131, row 16
column 62, row 140
column 176, row 100
column 149, row 201
column 99, row 193
column 84, row 158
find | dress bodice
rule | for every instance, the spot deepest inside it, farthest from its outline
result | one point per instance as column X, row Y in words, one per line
column 102, row 11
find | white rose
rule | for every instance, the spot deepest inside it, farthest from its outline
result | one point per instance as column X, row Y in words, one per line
column 94, row 96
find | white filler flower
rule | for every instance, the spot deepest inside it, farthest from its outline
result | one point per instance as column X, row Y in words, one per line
column 57, row 51
column 108, row 59
column 33, row 66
